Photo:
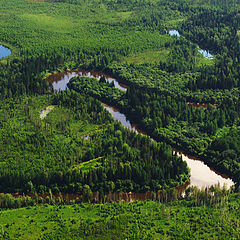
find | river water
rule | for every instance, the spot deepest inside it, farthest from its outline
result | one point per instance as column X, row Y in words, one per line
column 205, row 53
column 201, row 174
column 4, row 52
column 61, row 79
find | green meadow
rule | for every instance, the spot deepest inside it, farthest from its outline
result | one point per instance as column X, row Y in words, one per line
column 138, row 220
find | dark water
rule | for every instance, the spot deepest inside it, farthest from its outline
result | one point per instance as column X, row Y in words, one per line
column 201, row 174
column 205, row 53
column 127, row 197
column 4, row 52
column 60, row 80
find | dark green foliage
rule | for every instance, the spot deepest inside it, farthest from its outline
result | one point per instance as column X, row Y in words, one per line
column 224, row 153
column 51, row 152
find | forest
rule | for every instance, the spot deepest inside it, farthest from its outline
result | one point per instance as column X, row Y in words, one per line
column 200, row 216
column 58, row 144
column 78, row 143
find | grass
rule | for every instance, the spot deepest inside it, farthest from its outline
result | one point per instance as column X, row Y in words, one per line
column 39, row 26
column 32, row 222
column 148, row 56
column 86, row 166
column 137, row 220
column 51, row 23
column 45, row 111
column 174, row 23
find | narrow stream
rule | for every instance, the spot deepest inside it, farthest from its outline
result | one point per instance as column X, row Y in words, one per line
column 205, row 53
column 61, row 79
column 201, row 174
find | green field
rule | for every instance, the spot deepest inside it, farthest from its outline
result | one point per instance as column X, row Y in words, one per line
column 138, row 220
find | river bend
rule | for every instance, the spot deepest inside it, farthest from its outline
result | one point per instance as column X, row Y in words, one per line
column 201, row 174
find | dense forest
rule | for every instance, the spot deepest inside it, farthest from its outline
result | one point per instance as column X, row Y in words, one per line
column 193, row 129
column 53, row 144
column 77, row 144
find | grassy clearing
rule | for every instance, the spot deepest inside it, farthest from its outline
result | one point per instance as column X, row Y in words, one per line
column 51, row 23
column 174, row 23
column 149, row 56
column 163, row 55
column 91, row 164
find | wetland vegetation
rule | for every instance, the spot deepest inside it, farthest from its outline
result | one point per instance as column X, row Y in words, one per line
column 75, row 146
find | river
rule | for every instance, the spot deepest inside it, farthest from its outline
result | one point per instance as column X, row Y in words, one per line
column 61, row 79
column 205, row 53
column 201, row 174
column 4, row 52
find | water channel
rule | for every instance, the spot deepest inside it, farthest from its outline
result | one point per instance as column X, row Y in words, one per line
column 61, row 79
column 205, row 53
column 201, row 174
column 4, row 52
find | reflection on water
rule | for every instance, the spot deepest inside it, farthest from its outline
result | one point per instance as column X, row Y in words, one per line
column 205, row 53
column 120, row 117
column 204, row 176
column 201, row 174
column 61, row 79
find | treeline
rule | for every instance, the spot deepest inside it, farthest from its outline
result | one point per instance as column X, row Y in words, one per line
column 209, row 196
column 224, row 152
column 173, row 121
column 211, row 208
column 152, row 77
column 54, row 153
column 216, row 30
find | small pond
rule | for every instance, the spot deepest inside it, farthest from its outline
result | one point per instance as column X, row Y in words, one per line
column 4, row 52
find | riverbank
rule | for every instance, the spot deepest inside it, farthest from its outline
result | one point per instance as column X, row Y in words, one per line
column 207, row 179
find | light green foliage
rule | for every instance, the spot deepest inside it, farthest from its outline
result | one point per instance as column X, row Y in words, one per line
column 138, row 220
column 86, row 166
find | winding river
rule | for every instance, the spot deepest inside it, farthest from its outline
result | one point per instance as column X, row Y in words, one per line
column 4, row 52
column 61, row 79
column 205, row 53
column 201, row 174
